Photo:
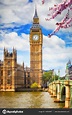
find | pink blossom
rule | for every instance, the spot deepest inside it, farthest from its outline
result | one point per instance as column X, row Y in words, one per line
column 43, row 1
column 64, row 19
column 56, row 10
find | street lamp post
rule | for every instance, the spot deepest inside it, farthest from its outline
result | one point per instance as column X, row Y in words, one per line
column 67, row 72
column 54, row 75
column 58, row 74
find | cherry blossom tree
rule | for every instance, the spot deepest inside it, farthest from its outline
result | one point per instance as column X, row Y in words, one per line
column 56, row 10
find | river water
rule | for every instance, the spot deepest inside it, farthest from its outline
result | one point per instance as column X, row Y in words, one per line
column 27, row 100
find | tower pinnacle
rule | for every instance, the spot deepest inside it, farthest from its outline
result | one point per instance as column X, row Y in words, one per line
column 35, row 19
column 35, row 15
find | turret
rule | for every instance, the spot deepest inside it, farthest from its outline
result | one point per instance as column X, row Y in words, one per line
column 5, row 53
column 14, row 53
column 23, row 65
column 35, row 18
column 26, row 68
column 69, row 63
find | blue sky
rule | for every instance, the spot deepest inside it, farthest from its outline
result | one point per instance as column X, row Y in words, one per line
column 16, row 18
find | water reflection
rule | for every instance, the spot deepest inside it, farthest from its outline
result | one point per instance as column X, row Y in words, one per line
column 27, row 100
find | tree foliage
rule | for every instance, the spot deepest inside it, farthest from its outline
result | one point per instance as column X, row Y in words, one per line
column 62, row 78
column 56, row 10
column 55, row 77
column 49, row 77
column 34, row 85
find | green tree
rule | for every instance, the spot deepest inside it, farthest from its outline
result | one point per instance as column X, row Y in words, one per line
column 62, row 78
column 34, row 85
column 49, row 77
column 55, row 77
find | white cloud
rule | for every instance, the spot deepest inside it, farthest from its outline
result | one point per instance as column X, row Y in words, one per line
column 13, row 2
column 20, row 11
column 12, row 39
column 8, row 16
column 55, row 54
column 1, row 54
column 21, row 43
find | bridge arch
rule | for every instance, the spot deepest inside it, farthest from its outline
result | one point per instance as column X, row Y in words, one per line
column 63, row 93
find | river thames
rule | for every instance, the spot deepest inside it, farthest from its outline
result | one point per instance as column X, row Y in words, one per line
column 28, row 100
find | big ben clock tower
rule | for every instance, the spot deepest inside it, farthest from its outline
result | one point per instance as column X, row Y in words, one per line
column 36, row 39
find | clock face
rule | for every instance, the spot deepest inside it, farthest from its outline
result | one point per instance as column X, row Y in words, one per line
column 35, row 37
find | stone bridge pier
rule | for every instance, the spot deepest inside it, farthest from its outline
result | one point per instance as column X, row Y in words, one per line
column 67, row 98
column 61, row 90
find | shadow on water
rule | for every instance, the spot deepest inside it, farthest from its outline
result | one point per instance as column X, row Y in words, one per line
column 27, row 100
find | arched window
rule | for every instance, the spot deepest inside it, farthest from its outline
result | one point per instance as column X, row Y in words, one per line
column 1, row 72
column 9, row 72
column 1, row 81
column 8, row 81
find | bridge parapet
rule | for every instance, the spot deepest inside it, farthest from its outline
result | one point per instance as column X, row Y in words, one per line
column 61, row 88
column 67, row 82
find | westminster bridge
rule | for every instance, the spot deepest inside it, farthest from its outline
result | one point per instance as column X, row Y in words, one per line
column 61, row 90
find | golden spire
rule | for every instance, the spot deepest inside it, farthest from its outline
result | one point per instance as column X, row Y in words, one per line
column 35, row 15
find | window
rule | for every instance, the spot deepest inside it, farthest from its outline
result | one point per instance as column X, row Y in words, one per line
column 1, row 81
column 9, row 72
column 8, row 81
column 1, row 72
column 8, row 62
column 28, row 75
column 28, row 82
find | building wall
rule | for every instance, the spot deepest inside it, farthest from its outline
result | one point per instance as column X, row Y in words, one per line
column 70, row 72
column 19, row 80
column 27, row 77
column 11, row 73
column 1, row 74
column 69, row 69
column 36, row 51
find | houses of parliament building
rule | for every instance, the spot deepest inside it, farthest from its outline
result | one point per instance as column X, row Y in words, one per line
column 14, row 75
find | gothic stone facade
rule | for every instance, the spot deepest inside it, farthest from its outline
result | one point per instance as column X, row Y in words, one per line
column 69, row 69
column 11, row 73
column 36, row 40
